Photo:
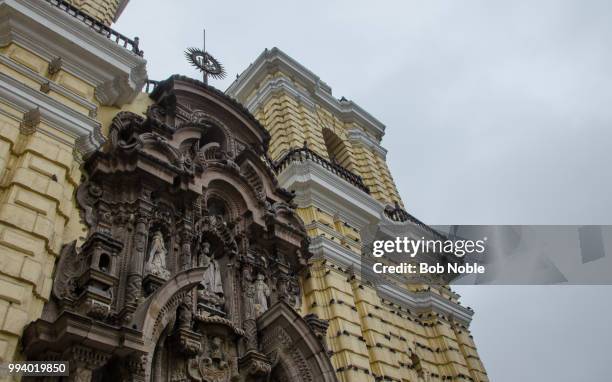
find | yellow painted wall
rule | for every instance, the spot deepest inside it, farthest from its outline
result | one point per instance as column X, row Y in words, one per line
column 291, row 123
column 371, row 339
column 38, row 178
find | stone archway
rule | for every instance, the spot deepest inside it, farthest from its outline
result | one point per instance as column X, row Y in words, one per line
column 157, row 311
column 297, row 351
column 149, row 279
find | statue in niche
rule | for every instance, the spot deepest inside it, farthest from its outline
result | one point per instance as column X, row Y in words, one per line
column 250, row 294
column 156, row 264
column 211, row 287
column 262, row 292
column 293, row 294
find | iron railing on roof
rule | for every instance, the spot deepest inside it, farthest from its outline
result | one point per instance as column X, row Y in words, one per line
column 398, row 214
column 118, row 38
column 303, row 154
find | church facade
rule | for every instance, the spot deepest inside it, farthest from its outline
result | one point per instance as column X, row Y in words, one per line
column 185, row 233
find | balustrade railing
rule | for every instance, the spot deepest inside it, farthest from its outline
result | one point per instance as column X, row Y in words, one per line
column 118, row 38
column 398, row 214
column 305, row 154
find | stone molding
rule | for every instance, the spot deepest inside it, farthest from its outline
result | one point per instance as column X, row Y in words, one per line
column 426, row 301
column 315, row 185
column 361, row 138
column 270, row 61
column 53, row 113
column 117, row 74
column 48, row 85
column 323, row 248
column 277, row 86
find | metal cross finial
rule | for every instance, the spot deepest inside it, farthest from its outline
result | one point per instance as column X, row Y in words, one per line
column 205, row 62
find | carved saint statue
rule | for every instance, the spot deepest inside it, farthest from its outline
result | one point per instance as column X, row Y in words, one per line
column 156, row 264
column 249, row 294
column 211, row 287
column 212, row 276
column 262, row 292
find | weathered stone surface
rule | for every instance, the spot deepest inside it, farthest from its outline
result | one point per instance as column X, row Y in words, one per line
column 191, row 247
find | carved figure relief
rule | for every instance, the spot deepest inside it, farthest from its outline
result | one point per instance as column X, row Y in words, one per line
column 211, row 286
column 156, row 264
column 262, row 292
column 189, row 260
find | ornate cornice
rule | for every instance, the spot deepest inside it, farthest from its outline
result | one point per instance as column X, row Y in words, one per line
column 117, row 73
column 315, row 185
column 426, row 301
column 168, row 84
column 318, row 92
column 323, row 248
column 359, row 137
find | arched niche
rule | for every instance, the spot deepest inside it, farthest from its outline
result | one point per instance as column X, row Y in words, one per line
column 337, row 150
column 159, row 309
column 234, row 192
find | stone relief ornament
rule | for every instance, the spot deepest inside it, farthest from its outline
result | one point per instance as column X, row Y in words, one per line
column 156, row 264
column 211, row 287
column 262, row 292
column 249, row 293
column 190, row 258
column 70, row 266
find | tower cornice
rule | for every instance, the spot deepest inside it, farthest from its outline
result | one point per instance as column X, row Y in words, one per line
column 316, row 90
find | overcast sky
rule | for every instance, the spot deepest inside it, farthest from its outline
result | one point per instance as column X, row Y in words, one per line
column 497, row 112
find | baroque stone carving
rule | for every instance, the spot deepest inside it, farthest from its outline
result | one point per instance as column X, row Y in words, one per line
column 189, row 259
column 211, row 286
column 156, row 264
column 262, row 292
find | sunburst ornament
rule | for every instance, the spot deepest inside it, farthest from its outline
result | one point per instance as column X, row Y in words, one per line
column 205, row 63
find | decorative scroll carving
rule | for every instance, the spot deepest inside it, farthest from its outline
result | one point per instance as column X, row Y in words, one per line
column 190, row 247
column 254, row 181
column 124, row 131
column 70, row 266
column 318, row 327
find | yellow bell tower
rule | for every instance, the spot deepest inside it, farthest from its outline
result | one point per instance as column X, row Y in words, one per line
column 328, row 152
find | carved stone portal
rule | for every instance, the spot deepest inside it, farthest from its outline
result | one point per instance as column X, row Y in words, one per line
column 190, row 268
